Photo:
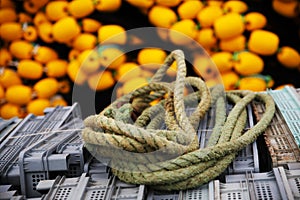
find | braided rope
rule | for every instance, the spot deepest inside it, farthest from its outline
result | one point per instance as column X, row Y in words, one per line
column 129, row 131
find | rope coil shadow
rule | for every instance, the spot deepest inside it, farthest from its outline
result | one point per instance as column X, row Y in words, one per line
column 130, row 133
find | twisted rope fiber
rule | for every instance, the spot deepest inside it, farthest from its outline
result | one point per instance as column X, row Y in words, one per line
column 129, row 131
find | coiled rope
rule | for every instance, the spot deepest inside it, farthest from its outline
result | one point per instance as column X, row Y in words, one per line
column 129, row 131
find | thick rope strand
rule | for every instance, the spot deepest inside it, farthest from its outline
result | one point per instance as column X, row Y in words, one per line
column 129, row 131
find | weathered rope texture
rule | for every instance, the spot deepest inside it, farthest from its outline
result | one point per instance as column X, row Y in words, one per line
column 158, row 145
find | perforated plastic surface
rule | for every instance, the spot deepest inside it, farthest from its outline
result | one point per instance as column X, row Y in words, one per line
column 288, row 102
column 197, row 194
column 30, row 130
column 18, row 140
column 27, row 154
column 159, row 195
column 261, row 186
column 204, row 192
column 86, row 188
column 234, row 191
column 277, row 184
column 77, row 156
column 279, row 139
column 100, row 184
column 96, row 194
column 266, row 190
column 247, row 159
column 40, row 160
column 293, row 177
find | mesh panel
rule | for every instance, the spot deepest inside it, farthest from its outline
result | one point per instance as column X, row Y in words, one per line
column 289, row 106
column 36, row 178
column 97, row 195
column 234, row 196
column 195, row 194
column 263, row 190
column 276, row 129
column 279, row 139
column 281, row 143
column 63, row 193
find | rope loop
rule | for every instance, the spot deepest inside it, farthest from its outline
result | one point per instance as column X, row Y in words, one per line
column 158, row 145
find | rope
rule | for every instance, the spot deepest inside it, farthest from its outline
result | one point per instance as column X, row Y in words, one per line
column 130, row 133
